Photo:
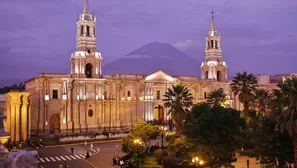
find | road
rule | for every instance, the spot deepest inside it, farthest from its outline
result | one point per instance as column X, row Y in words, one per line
column 51, row 157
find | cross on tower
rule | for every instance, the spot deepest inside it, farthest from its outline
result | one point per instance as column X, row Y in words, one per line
column 212, row 12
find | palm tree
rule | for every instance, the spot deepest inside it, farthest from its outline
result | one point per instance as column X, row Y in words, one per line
column 244, row 85
column 284, row 110
column 217, row 97
column 178, row 100
column 261, row 101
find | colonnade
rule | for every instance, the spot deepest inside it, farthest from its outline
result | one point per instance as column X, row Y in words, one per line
column 18, row 116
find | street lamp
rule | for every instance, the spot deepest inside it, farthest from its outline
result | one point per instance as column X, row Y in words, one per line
column 198, row 162
column 137, row 142
column 163, row 129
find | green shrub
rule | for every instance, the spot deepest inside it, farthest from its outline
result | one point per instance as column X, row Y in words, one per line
column 170, row 136
column 160, row 154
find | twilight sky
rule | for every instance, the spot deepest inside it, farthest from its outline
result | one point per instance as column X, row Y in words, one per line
column 258, row 36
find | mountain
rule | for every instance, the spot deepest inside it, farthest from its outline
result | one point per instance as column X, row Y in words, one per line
column 10, row 82
column 152, row 57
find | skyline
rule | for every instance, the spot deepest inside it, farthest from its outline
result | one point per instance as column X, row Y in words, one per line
column 32, row 44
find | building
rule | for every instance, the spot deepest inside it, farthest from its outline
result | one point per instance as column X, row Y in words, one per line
column 86, row 99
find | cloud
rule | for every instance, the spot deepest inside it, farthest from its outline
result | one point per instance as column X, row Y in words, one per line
column 186, row 45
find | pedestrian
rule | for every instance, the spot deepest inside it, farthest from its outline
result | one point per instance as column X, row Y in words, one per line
column 248, row 163
column 72, row 150
column 85, row 142
column 87, row 155
column 114, row 160
column 65, row 165
column 60, row 165
column 91, row 145
column 98, row 150
column 121, row 163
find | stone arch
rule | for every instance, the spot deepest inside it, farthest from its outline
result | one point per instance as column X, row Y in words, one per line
column 88, row 70
column 55, row 123
column 81, row 29
column 206, row 75
column 88, row 30
column 159, row 113
column 219, row 76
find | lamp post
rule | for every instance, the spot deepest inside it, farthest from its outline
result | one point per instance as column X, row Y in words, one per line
column 137, row 142
column 198, row 162
column 163, row 129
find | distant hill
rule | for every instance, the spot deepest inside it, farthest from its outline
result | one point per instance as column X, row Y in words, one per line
column 152, row 57
column 10, row 82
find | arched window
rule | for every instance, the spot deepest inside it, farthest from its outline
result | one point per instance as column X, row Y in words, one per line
column 94, row 31
column 216, row 46
column 81, row 30
column 219, row 76
column 88, row 31
column 90, row 113
column 206, row 75
column 88, row 70
column 211, row 44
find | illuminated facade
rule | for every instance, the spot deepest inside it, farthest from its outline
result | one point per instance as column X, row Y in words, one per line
column 86, row 99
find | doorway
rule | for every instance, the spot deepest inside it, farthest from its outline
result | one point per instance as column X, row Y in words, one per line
column 159, row 113
column 55, row 123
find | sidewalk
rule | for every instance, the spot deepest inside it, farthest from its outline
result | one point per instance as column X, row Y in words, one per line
column 87, row 138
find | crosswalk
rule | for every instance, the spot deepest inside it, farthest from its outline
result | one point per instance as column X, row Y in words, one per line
column 64, row 158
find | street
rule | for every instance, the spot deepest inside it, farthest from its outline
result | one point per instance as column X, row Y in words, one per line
column 51, row 157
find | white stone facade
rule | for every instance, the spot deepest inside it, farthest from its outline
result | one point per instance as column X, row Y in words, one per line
column 86, row 99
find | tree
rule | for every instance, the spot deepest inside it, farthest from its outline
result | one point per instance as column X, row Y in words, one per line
column 244, row 85
column 217, row 132
column 261, row 101
column 271, row 146
column 146, row 132
column 178, row 100
column 284, row 110
column 217, row 97
column 143, row 131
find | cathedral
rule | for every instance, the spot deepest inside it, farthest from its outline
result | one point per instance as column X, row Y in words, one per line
column 86, row 99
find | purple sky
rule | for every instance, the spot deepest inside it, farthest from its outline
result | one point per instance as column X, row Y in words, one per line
column 258, row 36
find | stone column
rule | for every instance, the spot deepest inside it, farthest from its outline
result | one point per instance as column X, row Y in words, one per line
column 8, row 105
column 118, row 121
column 12, row 120
column 24, row 118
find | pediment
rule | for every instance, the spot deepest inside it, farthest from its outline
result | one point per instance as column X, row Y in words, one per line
column 160, row 76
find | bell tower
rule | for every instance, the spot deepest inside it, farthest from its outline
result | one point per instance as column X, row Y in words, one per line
column 86, row 61
column 213, row 68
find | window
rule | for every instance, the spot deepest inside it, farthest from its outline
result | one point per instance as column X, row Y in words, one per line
column 94, row 31
column 90, row 113
column 206, row 75
column 216, row 45
column 88, row 70
column 128, row 94
column 88, row 31
column 55, row 94
column 211, row 44
column 105, row 95
column 158, row 95
column 81, row 30
column 205, row 95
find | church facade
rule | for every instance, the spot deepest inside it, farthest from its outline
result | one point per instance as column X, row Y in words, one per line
column 86, row 99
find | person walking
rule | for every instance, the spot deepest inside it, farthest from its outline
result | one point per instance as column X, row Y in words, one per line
column 65, row 165
column 72, row 149
column 60, row 165
column 248, row 163
column 87, row 155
